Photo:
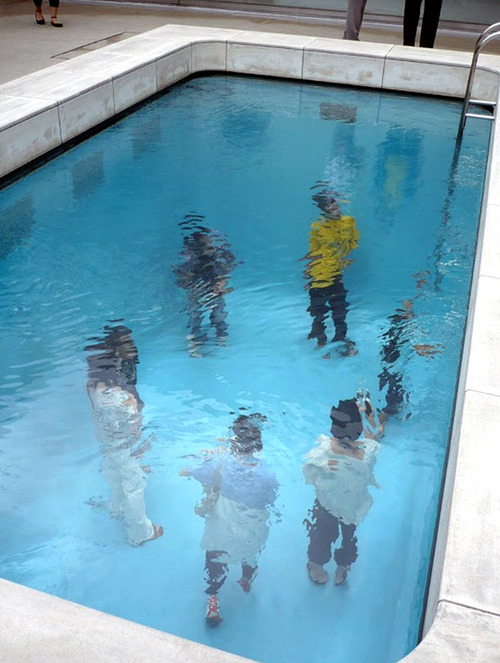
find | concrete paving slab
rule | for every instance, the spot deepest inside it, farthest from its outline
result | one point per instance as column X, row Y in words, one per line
column 26, row 47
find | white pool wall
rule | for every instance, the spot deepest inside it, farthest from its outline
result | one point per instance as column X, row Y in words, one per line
column 45, row 110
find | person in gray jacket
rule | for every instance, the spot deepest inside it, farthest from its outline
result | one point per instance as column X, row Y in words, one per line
column 354, row 18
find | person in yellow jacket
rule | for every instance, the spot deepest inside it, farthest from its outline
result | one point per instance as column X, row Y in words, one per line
column 331, row 239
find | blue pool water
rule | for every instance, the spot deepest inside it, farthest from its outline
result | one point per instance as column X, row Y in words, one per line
column 94, row 235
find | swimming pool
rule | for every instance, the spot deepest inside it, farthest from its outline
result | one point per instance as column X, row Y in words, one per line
column 354, row 142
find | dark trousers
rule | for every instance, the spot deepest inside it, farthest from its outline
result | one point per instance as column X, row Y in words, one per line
column 331, row 299
column 323, row 531
column 395, row 396
column 216, row 572
column 52, row 3
column 432, row 11
column 216, row 306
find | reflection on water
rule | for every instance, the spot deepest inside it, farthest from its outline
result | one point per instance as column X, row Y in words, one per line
column 16, row 223
column 88, row 175
column 398, row 170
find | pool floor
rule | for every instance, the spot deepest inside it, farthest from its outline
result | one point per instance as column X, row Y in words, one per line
column 119, row 234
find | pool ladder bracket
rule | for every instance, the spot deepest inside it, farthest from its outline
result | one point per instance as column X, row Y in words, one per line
column 492, row 32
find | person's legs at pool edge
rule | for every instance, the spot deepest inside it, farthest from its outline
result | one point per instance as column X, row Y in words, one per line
column 54, row 6
column 430, row 22
column 354, row 18
column 410, row 21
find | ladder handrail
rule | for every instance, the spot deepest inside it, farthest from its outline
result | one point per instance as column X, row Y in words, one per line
column 490, row 33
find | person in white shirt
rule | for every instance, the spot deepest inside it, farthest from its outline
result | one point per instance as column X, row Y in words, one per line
column 340, row 467
column 117, row 415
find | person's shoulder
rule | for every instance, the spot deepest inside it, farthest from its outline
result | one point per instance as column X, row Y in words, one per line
column 321, row 443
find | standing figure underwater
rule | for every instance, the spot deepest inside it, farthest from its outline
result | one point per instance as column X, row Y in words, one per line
column 402, row 327
column 239, row 489
column 331, row 239
column 204, row 274
column 340, row 467
column 117, row 414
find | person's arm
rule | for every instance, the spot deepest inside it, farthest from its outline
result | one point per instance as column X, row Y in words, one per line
column 350, row 238
column 373, row 428
column 208, row 473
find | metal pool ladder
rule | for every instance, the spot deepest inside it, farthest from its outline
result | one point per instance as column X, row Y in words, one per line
column 487, row 35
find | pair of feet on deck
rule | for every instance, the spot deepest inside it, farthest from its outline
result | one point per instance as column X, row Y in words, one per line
column 39, row 19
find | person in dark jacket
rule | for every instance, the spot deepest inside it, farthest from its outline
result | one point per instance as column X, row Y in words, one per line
column 430, row 21
column 354, row 18
column 204, row 275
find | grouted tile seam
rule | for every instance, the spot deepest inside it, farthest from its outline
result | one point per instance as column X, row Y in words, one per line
column 69, row 97
column 384, row 66
column 349, row 54
column 29, row 116
column 281, row 47
column 113, row 91
column 469, row 607
column 59, row 122
column 479, row 392
column 191, row 68
column 488, row 276
column 303, row 58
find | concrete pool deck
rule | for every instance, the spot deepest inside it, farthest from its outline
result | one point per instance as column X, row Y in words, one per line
column 40, row 112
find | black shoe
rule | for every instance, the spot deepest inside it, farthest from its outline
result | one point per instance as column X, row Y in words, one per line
column 40, row 21
column 55, row 23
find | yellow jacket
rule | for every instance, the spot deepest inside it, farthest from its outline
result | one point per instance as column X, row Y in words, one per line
column 330, row 242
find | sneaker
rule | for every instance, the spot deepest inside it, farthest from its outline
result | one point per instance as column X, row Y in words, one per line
column 213, row 617
column 341, row 574
column 317, row 573
column 194, row 349
column 349, row 348
column 245, row 584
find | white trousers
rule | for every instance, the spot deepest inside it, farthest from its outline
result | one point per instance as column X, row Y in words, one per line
column 127, row 483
